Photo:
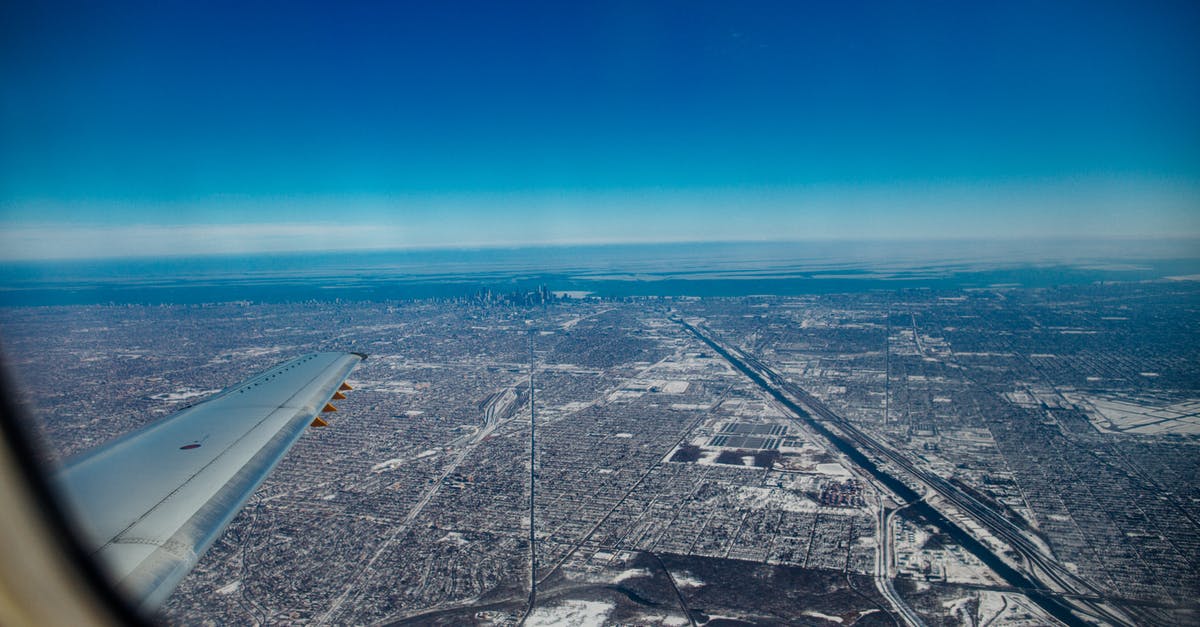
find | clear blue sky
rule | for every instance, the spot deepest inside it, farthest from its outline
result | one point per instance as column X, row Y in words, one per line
column 205, row 126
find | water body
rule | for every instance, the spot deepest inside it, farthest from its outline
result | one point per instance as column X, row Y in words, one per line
column 710, row 269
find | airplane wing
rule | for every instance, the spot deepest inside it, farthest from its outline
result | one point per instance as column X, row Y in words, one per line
column 151, row 502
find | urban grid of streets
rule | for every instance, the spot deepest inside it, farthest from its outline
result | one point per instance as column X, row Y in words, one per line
column 886, row 458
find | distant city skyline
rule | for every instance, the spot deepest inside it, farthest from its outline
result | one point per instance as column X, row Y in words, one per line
column 173, row 129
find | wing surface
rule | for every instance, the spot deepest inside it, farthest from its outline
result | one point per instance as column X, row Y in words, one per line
column 149, row 503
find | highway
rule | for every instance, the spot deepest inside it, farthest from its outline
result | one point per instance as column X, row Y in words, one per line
column 1043, row 569
column 883, row 567
column 1045, row 581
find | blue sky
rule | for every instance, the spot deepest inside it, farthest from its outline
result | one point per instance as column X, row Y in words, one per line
column 172, row 127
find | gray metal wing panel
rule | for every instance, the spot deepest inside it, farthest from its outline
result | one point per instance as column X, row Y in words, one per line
column 151, row 502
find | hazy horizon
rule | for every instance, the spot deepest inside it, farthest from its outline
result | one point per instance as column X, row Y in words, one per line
column 166, row 129
column 833, row 250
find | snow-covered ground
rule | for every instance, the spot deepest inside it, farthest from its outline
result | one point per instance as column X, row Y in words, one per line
column 1131, row 416
column 755, row 497
column 833, row 469
column 182, row 395
column 395, row 463
column 571, row 613
column 685, row 579
column 397, row 387
column 815, row 614
column 632, row 573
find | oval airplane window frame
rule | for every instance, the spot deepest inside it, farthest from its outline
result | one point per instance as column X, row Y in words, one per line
column 76, row 582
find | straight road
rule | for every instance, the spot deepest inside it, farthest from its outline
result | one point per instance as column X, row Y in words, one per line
column 855, row 444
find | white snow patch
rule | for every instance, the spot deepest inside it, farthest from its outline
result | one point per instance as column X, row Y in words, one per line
column 832, row 469
column 755, row 497
column 395, row 463
column 671, row 620
column 791, row 502
column 685, row 579
column 957, row 607
column 624, row 395
column 454, row 537
column 399, row 387
column 815, row 614
column 632, row 573
column 991, row 604
column 1140, row 415
column 675, row 387
column 230, row 588
column 182, row 395
column 571, row 613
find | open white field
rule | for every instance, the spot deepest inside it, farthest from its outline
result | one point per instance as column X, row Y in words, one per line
column 1130, row 416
